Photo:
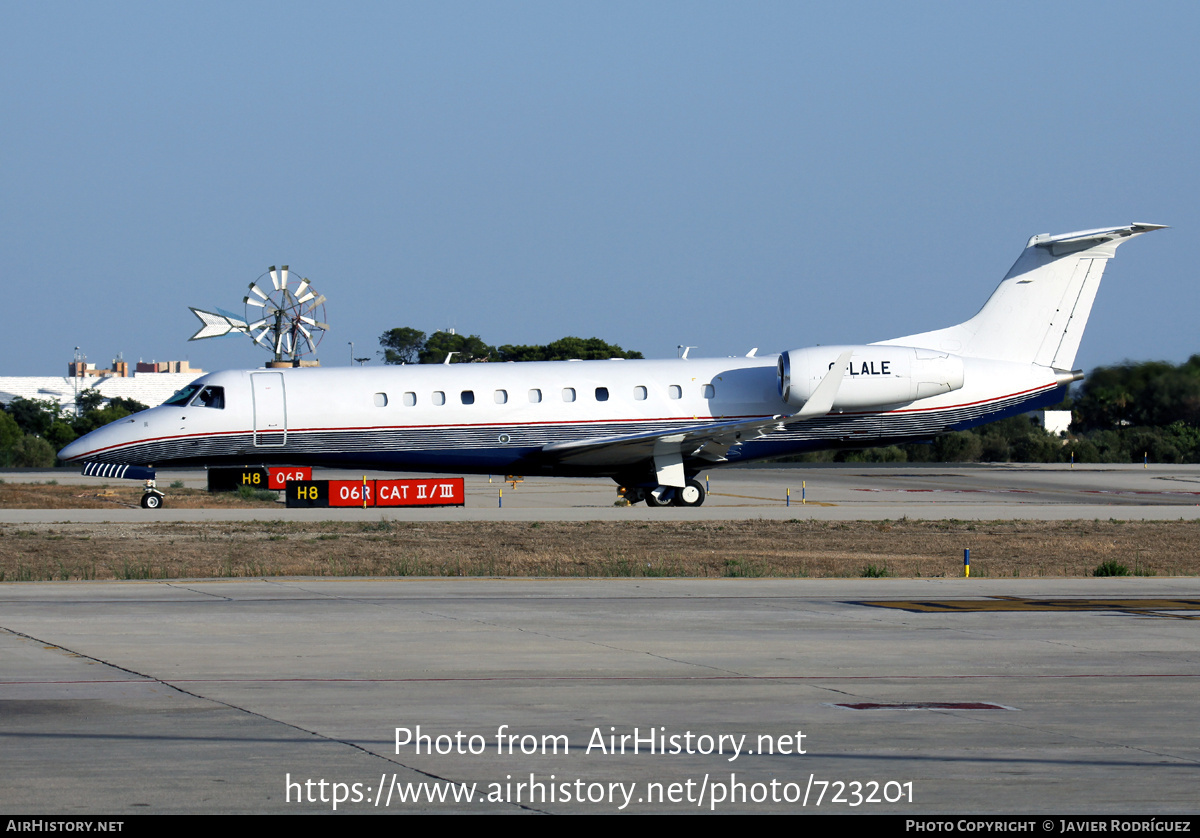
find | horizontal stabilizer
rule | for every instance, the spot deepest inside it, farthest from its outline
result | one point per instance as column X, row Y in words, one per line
column 1068, row 243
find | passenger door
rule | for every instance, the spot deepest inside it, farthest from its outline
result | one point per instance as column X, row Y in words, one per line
column 270, row 409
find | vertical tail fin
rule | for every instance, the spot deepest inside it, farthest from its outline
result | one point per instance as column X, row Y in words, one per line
column 1038, row 313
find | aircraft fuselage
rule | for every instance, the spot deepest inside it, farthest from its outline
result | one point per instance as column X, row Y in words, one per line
column 493, row 418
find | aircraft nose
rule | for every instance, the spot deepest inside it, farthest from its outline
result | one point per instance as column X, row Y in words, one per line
column 107, row 444
column 90, row 443
column 73, row 450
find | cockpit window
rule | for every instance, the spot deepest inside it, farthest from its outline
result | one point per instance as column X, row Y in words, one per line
column 210, row 397
column 183, row 396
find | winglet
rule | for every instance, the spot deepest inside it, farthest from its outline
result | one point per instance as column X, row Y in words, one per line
column 821, row 401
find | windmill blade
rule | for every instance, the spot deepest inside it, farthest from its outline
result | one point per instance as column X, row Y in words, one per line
column 264, row 334
column 255, row 289
column 274, row 277
column 283, row 276
column 314, row 323
column 307, row 335
column 312, row 347
column 268, row 306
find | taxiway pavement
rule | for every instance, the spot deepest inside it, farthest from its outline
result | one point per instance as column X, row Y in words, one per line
column 830, row 492
column 962, row 696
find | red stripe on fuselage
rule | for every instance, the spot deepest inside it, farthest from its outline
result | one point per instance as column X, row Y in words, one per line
column 540, row 424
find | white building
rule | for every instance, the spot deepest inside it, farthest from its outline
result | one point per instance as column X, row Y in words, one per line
column 1055, row 421
column 149, row 388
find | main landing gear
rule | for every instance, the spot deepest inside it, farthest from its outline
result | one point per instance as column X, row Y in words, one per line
column 690, row 495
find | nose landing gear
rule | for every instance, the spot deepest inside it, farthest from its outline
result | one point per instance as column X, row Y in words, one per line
column 151, row 497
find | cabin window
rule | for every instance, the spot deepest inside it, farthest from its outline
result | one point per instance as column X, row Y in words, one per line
column 468, row 397
column 675, row 391
column 568, row 394
column 205, row 396
column 639, row 393
column 381, row 399
column 501, row 396
column 410, row 399
column 535, row 396
column 601, row 394
column 439, row 397
column 709, row 391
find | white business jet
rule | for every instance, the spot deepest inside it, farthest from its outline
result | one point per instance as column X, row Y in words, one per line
column 651, row 426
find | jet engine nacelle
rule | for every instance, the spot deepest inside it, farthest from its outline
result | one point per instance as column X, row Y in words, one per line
column 877, row 376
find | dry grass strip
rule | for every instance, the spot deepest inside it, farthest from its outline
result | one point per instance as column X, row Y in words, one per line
column 701, row 549
column 127, row 495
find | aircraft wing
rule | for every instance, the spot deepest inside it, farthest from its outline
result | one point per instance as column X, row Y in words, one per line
column 711, row 441
column 668, row 449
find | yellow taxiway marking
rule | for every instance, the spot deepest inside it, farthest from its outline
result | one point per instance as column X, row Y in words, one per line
column 776, row 500
column 1137, row 607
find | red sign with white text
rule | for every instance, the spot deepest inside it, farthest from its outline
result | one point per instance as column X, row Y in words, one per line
column 277, row 478
column 431, row 491
column 351, row 493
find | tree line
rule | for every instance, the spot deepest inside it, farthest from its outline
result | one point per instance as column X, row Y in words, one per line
column 1119, row 414
column 411, row 346
column 33, row 430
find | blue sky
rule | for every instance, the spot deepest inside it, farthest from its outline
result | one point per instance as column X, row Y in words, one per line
column 719, row 175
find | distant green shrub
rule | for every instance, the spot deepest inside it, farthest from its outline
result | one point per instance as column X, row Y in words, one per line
column 246, row 492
